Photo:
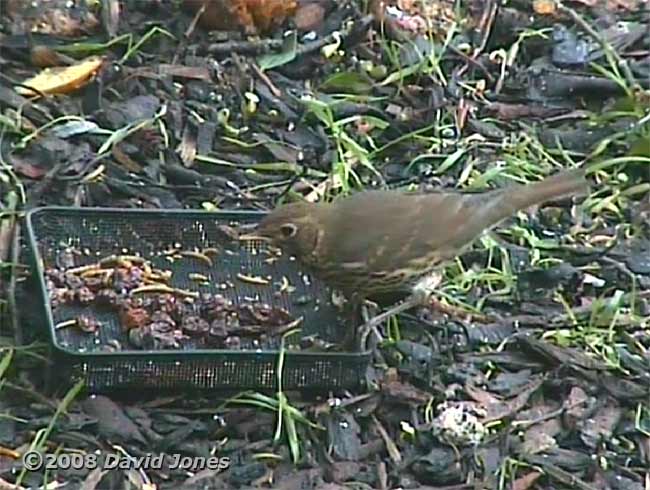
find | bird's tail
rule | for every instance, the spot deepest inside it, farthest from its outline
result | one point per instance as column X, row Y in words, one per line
column 563, row 184
column 515, row 198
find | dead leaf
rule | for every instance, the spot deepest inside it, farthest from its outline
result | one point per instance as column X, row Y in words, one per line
column 253, row 16
column 187, row 147
column 540, row 435
column 44, row 56
column 526, row 481
column 577, row 404
column 62, row 80
column 544, row 7
column 125, row 160
column 496, row 409
column 310, row 16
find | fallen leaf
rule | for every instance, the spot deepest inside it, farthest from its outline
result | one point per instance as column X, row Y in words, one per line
column 544, row 7
column 254, row 16
column 526, row 481
column 309, row 17
column 62, row 80
column 286, row 55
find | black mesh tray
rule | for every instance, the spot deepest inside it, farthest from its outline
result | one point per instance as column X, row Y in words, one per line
column 98, row 233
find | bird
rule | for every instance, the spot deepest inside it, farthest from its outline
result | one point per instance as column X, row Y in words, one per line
column 373, row 242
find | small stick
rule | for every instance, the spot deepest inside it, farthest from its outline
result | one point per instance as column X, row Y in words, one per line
column 264, row 77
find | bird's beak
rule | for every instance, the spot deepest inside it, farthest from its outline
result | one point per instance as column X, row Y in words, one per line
column 249, row 237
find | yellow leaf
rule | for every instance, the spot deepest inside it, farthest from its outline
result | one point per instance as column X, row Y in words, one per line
column 62, row 80
column 544, row 7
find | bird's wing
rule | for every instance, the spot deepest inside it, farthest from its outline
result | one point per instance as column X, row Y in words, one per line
column 380, row 231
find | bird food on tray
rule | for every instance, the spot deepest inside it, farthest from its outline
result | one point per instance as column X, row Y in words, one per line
column 154, row 315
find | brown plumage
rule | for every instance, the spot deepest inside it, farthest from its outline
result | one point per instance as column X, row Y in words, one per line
column 384, row 241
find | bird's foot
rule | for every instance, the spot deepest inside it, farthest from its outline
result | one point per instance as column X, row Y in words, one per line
column 374, row 322
column 419, row 296
column 369, row 312
column 458, row 313
column 369, row 309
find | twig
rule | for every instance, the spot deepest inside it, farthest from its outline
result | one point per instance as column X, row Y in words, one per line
column 486, row 23
column 245, row 47
column 525, row 424
column 195, row 20
column 391, row 447
column 265, row 45
column 264, row 77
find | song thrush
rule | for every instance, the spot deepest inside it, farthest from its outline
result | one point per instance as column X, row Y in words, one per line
column 382, row 241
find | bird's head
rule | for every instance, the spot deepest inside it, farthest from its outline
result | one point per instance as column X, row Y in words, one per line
column 291, row 227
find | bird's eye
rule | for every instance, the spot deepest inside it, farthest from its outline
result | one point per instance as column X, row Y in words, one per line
column 289, row 230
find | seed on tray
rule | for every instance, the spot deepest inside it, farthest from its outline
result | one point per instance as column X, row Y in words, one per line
column 160, row 288
column 195, row 276
column 88, row 324
column 94, row 283
column 252, row 279
column 85, row 323
column 150, row 338
column 106, row 298
column 134, row 317
column 66, row 324
column 196, row 255
column 85, row 296
column 195, row 326
column 211, row 251
column 285, row 286
column 163, row 318
column 218, row 329
column 72, row 281
column 155, row 315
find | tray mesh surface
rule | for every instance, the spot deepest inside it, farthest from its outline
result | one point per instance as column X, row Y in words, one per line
column 64, row 236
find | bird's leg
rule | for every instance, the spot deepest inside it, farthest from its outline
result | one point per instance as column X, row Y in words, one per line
column 353, row 312
column 420, row 295
column 369, row 310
